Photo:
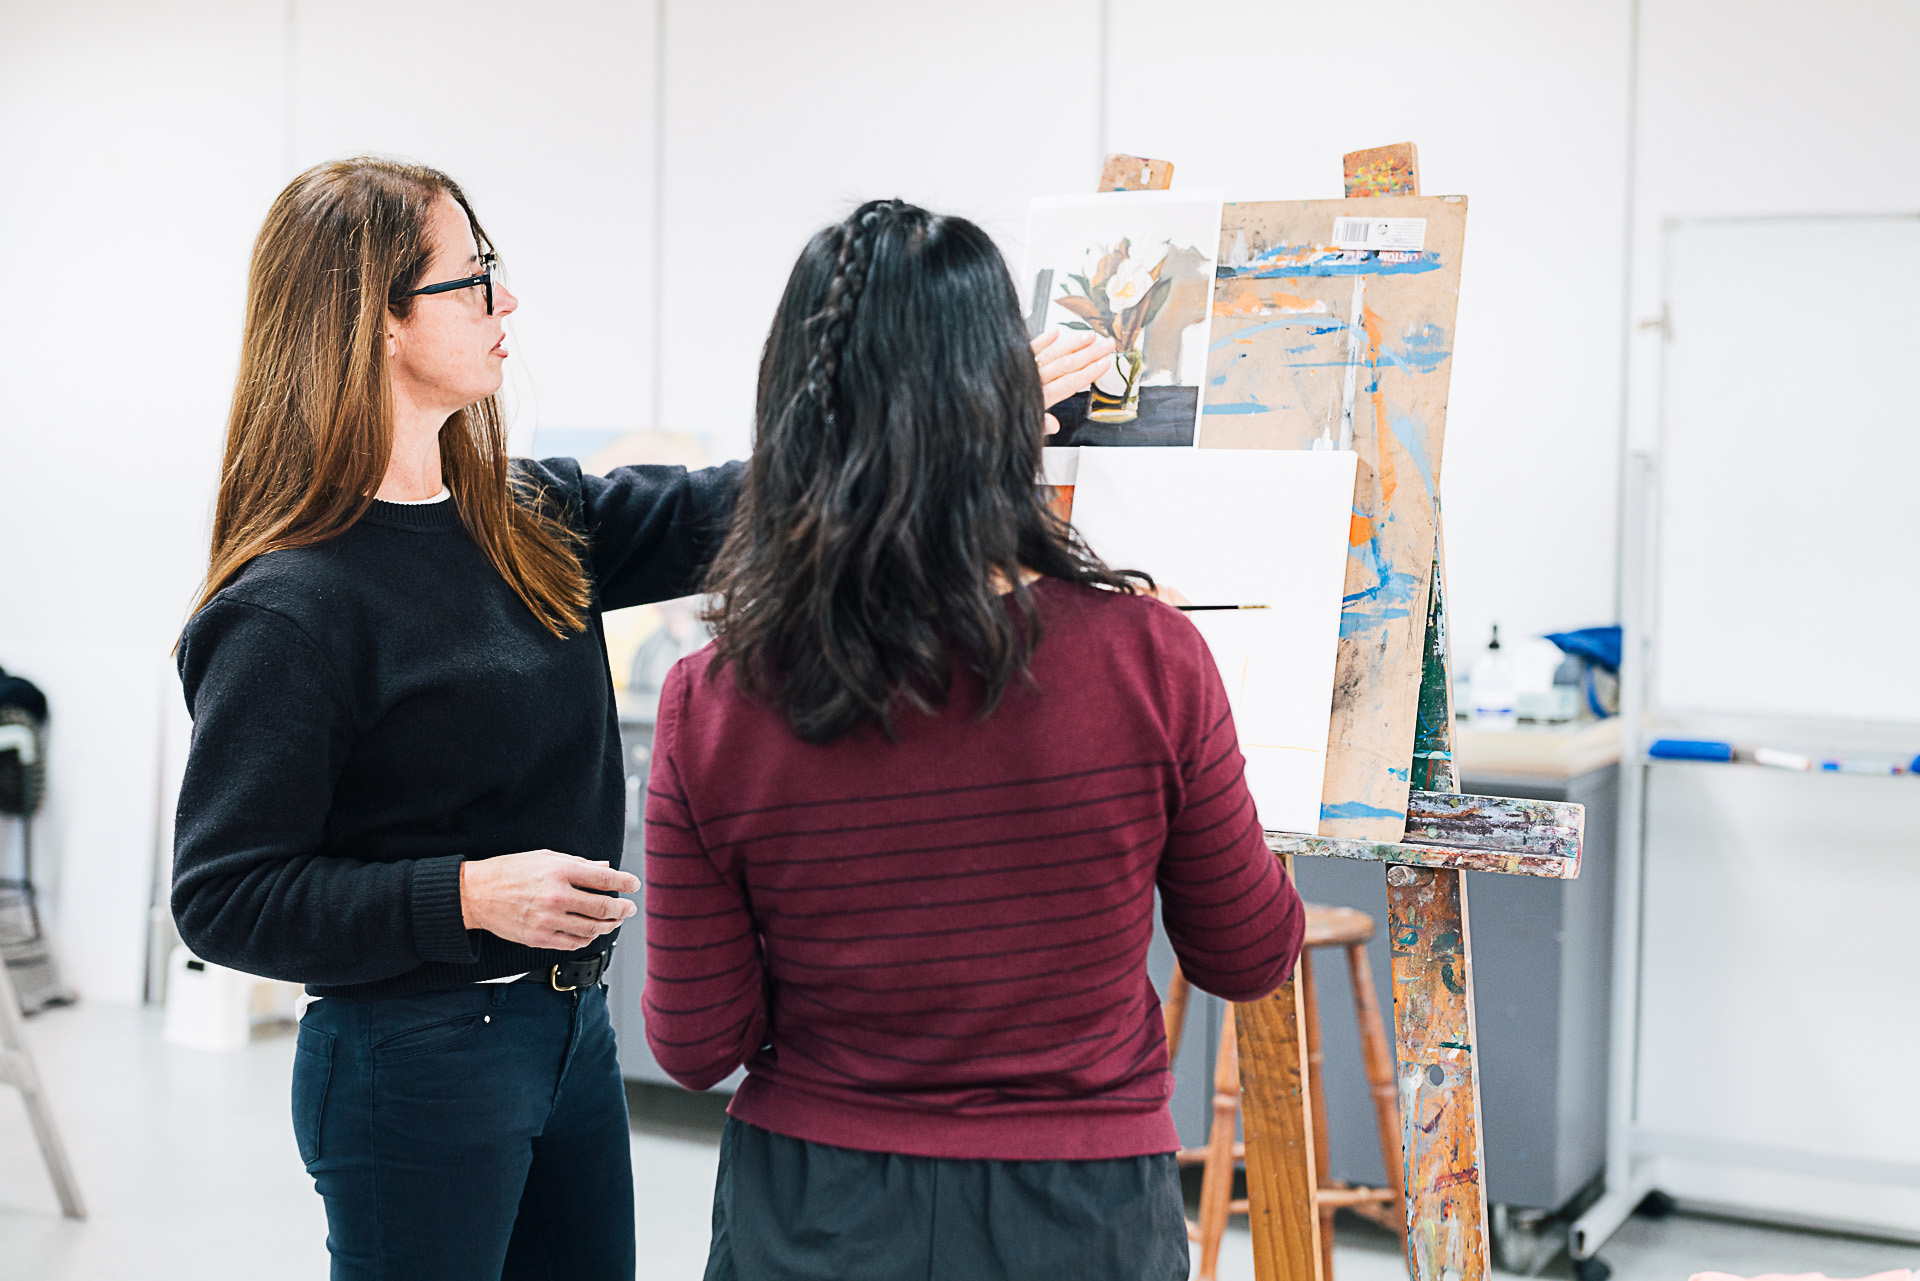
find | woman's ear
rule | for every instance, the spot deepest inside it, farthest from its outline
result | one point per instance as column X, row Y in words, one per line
column 393, row 335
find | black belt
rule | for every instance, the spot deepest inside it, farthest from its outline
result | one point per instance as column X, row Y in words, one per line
column 568, row 976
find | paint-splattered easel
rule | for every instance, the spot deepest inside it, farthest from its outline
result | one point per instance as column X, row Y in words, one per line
column 1392, row 795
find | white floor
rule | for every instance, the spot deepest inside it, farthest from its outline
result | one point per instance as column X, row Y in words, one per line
column 188, row 1166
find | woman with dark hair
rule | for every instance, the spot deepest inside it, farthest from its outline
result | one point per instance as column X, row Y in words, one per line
column 405, row 786
column 908, row 813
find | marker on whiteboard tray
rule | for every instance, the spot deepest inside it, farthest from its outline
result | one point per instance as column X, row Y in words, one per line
column 1195, row 608
column 1862, row 767
column 1689, row 749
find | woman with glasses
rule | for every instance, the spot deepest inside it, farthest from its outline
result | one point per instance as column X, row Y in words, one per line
column 909, row 813
column 405, row 787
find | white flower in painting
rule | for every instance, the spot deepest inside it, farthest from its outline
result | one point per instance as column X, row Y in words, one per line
column 1129, row 284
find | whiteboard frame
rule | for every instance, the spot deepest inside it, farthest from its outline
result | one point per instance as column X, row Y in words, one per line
column 1636, row 1156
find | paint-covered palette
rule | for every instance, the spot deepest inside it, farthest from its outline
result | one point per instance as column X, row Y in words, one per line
column 1333, row 324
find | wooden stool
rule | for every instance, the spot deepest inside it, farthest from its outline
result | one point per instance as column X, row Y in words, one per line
column 1326, row 927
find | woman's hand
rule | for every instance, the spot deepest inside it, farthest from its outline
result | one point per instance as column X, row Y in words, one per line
column 542, row 899
column 1070, row 362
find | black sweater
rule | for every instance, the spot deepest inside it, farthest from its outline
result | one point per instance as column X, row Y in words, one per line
column 372, row 711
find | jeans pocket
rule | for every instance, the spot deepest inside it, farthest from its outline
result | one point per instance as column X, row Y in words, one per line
column 312, row 1072
column 441, row 1034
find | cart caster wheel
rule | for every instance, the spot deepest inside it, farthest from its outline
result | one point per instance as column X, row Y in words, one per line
column 1656, row 1205
column 1592, row 1268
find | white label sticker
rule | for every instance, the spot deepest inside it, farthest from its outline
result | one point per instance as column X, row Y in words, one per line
column 1405, row 234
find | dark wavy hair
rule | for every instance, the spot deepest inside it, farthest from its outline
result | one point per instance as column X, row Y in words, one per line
column 893, row 488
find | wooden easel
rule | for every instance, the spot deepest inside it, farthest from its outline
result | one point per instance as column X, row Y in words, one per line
column 17, row 1069
column 1444, row 835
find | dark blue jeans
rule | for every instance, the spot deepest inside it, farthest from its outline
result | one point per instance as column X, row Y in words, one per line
column 478, row 1132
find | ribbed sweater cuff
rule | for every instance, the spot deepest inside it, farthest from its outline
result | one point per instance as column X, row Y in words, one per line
column 439, row 932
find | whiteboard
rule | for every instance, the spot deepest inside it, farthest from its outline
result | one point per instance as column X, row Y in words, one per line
column 1787, row 548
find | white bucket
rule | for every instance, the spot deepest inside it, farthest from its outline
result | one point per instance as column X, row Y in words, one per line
column 209, row 1007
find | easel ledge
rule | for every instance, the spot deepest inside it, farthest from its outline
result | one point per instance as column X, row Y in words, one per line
column 1469, row 833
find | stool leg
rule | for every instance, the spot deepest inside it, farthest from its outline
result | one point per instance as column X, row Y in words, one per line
column 1216, row 1180
column 1317, row 1099
column 1174, row 1011
column 1380, row 1075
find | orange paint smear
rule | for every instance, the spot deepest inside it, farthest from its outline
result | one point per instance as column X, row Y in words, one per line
column 1359, row 531
column 1284, row 304
column 1248, row 306
column 1383, row 436
column 1293, row 302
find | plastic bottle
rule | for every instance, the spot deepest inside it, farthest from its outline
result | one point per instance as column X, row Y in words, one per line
column 1491, row 688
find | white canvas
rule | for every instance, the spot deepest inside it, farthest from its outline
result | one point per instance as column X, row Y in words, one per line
column 1262, row 527
column 1059, row 466
column 1136, row 266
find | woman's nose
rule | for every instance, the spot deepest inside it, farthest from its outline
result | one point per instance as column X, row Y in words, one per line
column 504, row 303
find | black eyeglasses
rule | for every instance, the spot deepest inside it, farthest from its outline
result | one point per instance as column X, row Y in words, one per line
column 490, row 274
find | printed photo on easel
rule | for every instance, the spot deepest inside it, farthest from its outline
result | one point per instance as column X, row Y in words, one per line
column 1136, row 267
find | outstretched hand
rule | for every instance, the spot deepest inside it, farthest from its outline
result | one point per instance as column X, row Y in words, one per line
column 1070, row 361
column 544, row 899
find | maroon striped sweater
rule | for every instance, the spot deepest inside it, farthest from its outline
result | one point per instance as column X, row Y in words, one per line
column 937, row 946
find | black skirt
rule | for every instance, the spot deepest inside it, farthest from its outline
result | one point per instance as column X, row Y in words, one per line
column 788, row 1210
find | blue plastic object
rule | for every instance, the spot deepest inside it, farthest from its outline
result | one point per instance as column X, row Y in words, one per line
column 1598, row 645
column 1690, row 749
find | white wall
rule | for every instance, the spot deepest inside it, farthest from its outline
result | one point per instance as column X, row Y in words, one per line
column 131, row 184
column 1818, row 113
column 781, row 118
column 142, row 140
column 544, row 114
column 1522, row 107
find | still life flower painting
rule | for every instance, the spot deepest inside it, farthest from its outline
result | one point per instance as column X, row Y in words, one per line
column 1136, row 267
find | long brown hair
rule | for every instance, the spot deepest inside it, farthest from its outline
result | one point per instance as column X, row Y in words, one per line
column 311, row 429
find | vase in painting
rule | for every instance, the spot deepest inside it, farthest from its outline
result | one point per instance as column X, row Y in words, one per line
column 1115, row 396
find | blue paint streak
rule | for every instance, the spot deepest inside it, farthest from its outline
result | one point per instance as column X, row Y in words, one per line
column 1411, row 432
column 1295, row 351
column 1399, row 774
column 1358, row 809
column 1332, row 263
column 1390, row 596
column 1218, row 380
column 1238, row 407
column 1322, row 325
column 1422, row 352
column 1360, row 625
